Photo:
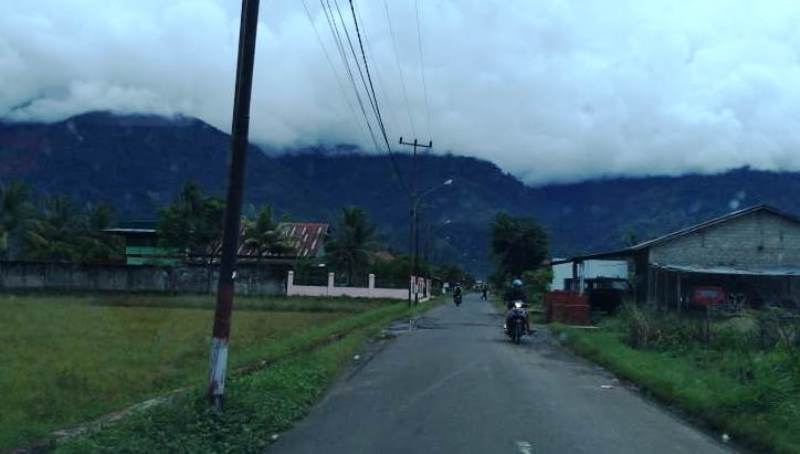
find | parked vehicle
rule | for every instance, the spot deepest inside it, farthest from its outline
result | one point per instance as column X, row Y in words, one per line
column 607, row 294
column 708, row 295
column 515, row 322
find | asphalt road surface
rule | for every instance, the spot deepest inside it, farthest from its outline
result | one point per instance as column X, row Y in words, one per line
column 455, row 384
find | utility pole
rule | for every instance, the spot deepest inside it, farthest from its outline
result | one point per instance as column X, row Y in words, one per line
column 233, row 202
column 413, row 218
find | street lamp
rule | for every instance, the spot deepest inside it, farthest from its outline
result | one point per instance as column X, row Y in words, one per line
column 415, row 200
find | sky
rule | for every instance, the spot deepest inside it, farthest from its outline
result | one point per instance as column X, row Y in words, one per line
column 549, row 90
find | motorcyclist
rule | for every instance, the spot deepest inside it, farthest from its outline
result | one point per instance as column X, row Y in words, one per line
column 516, row 293
column 457, row 292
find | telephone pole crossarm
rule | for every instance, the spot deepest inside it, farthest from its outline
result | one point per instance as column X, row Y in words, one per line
column 412, row 293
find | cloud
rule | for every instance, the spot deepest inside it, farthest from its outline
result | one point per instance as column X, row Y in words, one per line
column 550, row 90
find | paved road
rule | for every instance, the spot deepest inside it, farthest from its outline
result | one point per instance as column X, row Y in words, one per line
column 456, row 385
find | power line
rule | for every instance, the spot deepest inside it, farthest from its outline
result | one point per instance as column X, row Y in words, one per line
column 345, row 61
column 372, row 88
column 381, row 85
column 330, row 17
column 399, row 68
column 422, row 71
column 369, row 78
column 333, row 69
column 370, row 95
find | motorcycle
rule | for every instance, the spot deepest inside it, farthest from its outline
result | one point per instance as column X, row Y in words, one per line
column 515, row 321
column 457, row 300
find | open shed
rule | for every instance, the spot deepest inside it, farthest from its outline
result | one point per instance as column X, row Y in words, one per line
column 752, row 253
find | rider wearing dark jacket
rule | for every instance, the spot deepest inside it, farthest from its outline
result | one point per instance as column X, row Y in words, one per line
column 516, row 293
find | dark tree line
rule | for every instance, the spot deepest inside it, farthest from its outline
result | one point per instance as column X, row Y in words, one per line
column 54, row 228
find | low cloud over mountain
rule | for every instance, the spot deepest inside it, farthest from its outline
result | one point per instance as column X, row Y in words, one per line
column 551, row 91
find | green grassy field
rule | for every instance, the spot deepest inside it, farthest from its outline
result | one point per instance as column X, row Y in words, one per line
column 761, row 409
column 259, row 403
column 70, row 359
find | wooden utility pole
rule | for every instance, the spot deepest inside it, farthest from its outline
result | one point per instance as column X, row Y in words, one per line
column 413, row 219
column 233, row 202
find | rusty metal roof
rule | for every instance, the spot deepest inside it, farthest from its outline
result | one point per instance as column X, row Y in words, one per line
column 308, row 238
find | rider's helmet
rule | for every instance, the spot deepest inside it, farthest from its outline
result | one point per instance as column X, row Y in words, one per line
column 516, row 283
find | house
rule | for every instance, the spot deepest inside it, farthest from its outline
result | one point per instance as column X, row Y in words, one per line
column 142, row 247
column 307, row 238
column 752, row 253
column 593, row 269
column 141, row 244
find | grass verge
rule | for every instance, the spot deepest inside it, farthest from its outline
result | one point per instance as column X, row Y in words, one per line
column 260, row 402
column 75, row 358
column 762, row 414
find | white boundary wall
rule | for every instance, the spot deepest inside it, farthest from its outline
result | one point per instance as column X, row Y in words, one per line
column 422, row 288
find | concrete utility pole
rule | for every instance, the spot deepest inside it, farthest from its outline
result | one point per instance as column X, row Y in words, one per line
column 233, row 202
column 413, row 218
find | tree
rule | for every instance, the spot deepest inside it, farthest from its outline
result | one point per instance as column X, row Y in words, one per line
column 192, row 223
column 537, row 282
column 350, row 246
column 54, row 233
column 518, row 244
column 263, row 236
column 95, row 245
column 16, row 213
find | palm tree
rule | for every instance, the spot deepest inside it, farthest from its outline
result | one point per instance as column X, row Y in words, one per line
column 351, row 245
column 54, row 234
column 16, row 212
column 262, row 235
column 95, row 244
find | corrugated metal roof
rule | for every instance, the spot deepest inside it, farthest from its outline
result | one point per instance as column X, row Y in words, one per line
column 715, row 221
column 686, row 231
column 306, row 237
column 737, row 270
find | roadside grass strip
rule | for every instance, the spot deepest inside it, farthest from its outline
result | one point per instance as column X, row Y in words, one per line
column 73, row 359
column 762, row 413
column 262, row 399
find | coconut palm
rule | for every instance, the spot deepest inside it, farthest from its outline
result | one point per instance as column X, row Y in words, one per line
column 16, row 212
column 54, row 234
column 352, row 243
column 95, row 245
column 263, row 236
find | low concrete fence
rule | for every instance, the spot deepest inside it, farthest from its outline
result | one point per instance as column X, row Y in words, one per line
column 419, row 285
column 250, row 279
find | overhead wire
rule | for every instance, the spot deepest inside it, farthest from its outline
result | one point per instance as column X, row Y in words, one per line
column 336, row 76
column 342, row 54
column 399, row 67
column 372, row 89
column 377, row 69
column 338, row 39
column 372, row 99
column 422, row 71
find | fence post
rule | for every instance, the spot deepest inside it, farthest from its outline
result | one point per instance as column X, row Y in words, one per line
column 330, row 283
column 371, row 290
column 290, row 283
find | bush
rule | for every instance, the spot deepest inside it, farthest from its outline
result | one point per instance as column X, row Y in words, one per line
column 646, row 328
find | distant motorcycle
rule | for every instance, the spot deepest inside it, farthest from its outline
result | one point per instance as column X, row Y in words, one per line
column 515, row 322
column 457, row 299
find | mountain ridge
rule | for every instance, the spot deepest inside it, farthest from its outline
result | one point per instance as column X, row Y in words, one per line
column 138, row 163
